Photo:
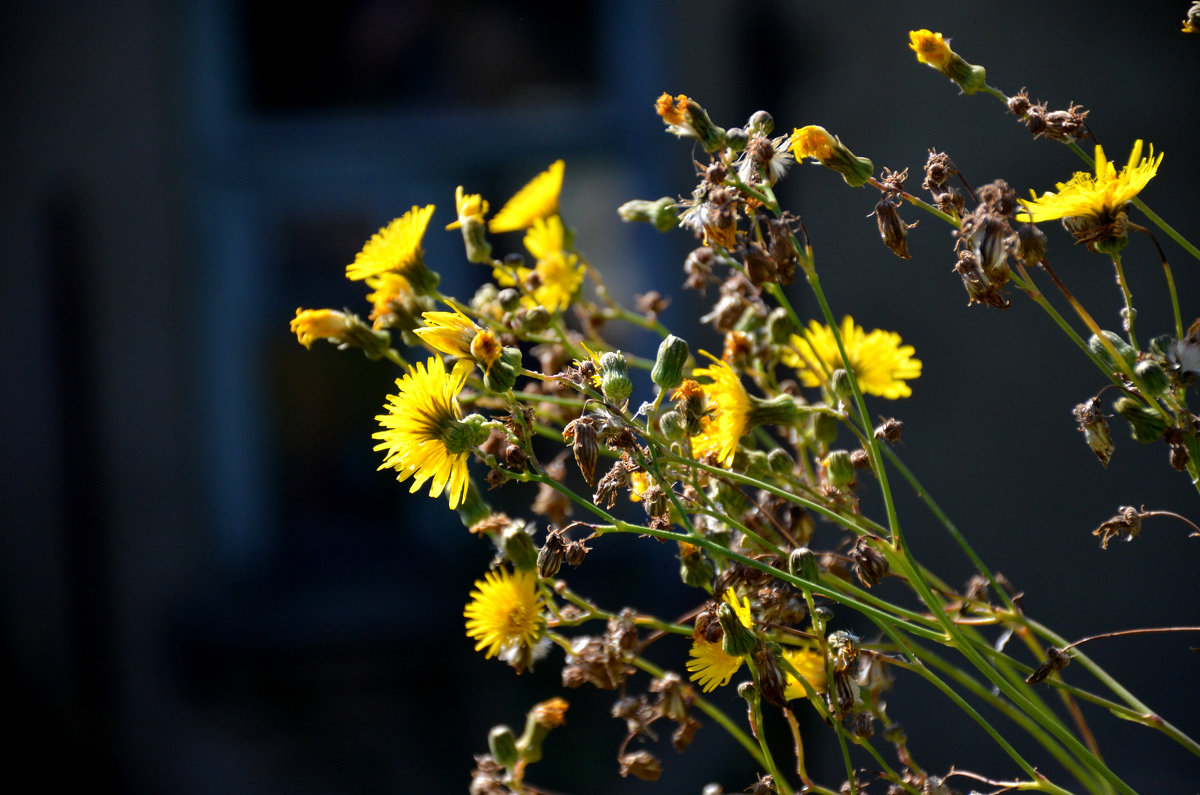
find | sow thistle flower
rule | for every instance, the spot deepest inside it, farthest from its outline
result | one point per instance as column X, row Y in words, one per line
column 505, row 616
column 730, row 411
column 557, row 274
column 816, row 142
column 935, row 51
column 424, row 434
column 471, row 209
column 1093, row 206
column 537, row 200
column 343, row 329
column 810, row 664
column 710, row 664
column 685, row 118
column 880, row 362
column 396, row 248
column 456, row 334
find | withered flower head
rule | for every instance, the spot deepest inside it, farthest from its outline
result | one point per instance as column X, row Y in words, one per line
column 1095, row 429
column 1126, row 526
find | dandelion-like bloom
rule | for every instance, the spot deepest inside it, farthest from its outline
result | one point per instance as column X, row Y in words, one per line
column 538, row 199
column 812, row 141
column 710, row 665
column 930, row 48
column 456, row 334
column 397, row 248
column 724, row 427
column 559, row 272
column 423, row 433
column 810, row 664
column 1096, row 198
column 505, row 614
column 881, row 364
column 817, row 142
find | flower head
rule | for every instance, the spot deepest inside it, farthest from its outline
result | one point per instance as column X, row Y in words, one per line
column 396, row 248
column 723, row 428
column 880, row 363
column 424, row 436
column 816, row 142
column 394, row 302
column 538, row 199
column 469, row 206
column 710, row 665
column 685, row 118
column 930, row 48
column 810, row 664
column 557, row 274
column 456, row 334
column 1095, row 203
column 505, row 615
column 343, row 329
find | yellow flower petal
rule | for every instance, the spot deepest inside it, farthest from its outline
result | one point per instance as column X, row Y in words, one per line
column 880, row 362
column 538, row 199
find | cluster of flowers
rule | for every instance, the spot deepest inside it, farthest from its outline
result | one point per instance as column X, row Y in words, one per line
column 730, row 457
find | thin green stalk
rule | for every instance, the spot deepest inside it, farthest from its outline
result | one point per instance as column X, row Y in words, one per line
column 1130, row 313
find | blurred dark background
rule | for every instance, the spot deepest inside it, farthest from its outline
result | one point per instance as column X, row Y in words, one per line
column 205, row 584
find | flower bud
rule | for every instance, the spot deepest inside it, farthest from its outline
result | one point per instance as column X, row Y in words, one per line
column 816, row 142
column 668, row 365
column 779, row 462
column 825, row 427
column 673, row 426
column 534, row 319
column 517, row 546
column 502, row 744
column 509, row 299
column 738, row 640
column 760, row 123
column 500, row 377
column 663, row 213
column 614, row 377
column 840, row 469
column 736, row 138
column 695, row 568
column 1153, row 377
column 584, row 434
column 1123, row 349
column 933, row 50
column 803, row 563
column 1146, row 425
column 839, row 384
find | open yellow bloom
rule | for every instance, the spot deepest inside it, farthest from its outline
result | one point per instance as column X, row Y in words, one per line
column 810, row 664
column 930, row 48
column 396, row 248
column 723, row 428
column 423, row 433
column 505, row 614
column 812, row 141
column 538, row 199
column 559, row 273
column 880, row 362
column 456, row 334
column 1098, row 196
column 710, row 665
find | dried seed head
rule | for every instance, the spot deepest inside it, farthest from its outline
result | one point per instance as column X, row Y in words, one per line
column 889, row 430
column 869, row 563
column 550, row 556
column 584, row 434
column 1019, row 104
column 641, row 765
column 938, row 169
column 892, row 229
column 1126, row 526
column 1056, row 660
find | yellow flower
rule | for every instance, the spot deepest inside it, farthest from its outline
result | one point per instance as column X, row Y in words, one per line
column 638, row 483
column 470, row 207
column 930, row 48
column 816, row 142
column 724, row 427
column 558, row 272
column 311, row 325
column 810, row 664
column 880, row 363
column 396, row 248
column 456, row 334
column 812, row 141
column 1097, row 197
column 423, row 433
column 538, row 199
column 505, row 614
column 394, row 302
column 672, row 111
column 710, row 665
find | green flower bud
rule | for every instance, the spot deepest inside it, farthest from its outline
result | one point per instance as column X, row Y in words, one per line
column 779, row 462
column 663, row 213
column 1153, row 377
column 779, row 410
column 502, row 744
column 840, row 467
column 825, row 427
column 673, row 425
column 738, row 640
column 760, row 123
column 695, row 568
column 779, row 326
column 839, row 383
column 500, row 377
column 802, row 562
column 614, row 377
column 535, row 319
column 736, row 138
column 668, row 365
column 1146, row 425
column 1161, row 346
column 518, row 547
column 1123, row 348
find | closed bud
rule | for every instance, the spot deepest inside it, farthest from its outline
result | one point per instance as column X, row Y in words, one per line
column 668, row 364
column 663, row 213
column 614, row 377
column 1123, row 349
column 839, row 383
column 779, row 326
column 760, row 123
column 534, row 320
column 584, row 433
column 1146, row 425
column 695, row 568
column 500, row 377
column 802, row 562
column 736, row 138
column 673, row 426
column 550, row 556
column 840, row 469
column 517, row 546
column 1095, row 430
column 779, row 462
column 825, row 427
column 892, row 229
column 738, row 640
column 502, row 744
column 1153, row 377
column 509, row 299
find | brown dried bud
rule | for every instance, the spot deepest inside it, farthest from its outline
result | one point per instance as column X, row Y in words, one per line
column 861, row 725
column 860, row 459
column 1126, row 525
column 575, row 552
column 892, row 229
column 584, row 434
column 641, row 764
column 889, row 430
column 869, row 563
column 1095, row 429
column 616, row 481
column 760, row 268
column 550, row 556
column 771, row 680
column 1019, row 104
column 938, row 169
